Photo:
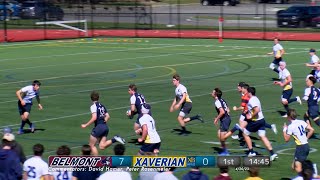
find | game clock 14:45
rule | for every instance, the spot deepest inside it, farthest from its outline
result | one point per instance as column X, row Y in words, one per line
column 259, row 161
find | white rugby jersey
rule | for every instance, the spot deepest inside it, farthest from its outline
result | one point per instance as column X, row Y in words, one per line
column 255, row 102
column 30, row 93
column 314, row 59
column 276, row 47
column 297, row 129
column 180, row 90
column 35, row 167
column 61, row 175
column 283, row 74
column 153, row 136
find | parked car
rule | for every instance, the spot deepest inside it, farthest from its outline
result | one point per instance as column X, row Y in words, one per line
column 315, row 22
column 9, row 9
column 297, row 16
column 273, row 1
column 219, row 2
column 41, row 10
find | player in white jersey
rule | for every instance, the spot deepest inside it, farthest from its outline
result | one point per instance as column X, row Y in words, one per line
column 297, row 129
column 36, row 168
column 277, row 52
column 25, row 96
column 314, row 61
column 182, row 101
column 150, row 137
column 286, row 83
column 256, row 123
column 62, row 174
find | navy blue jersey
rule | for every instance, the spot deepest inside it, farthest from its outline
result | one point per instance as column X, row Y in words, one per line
column 221, row 103
column 139, row 102
column 313, row 96
column 101, row 113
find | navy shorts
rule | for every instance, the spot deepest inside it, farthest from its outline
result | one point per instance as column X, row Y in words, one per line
column 100, row 130
column 254, row 126
column 286, row 94
column 149, row 147
column 186, row 108
column 313, row 111
column 25, row 108
column 302, row 152
column 277, row 60
column 225, row 124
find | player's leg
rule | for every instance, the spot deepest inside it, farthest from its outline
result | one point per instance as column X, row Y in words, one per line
column 24, row 112
column 187, row 109
column 251, row 127
column 286, row 94
column 313, row 112
column 103, row 131
column 274, row 65
column 224, row 126
column 92, row 143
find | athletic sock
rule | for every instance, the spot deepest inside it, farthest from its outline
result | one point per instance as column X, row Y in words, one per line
column 267, row 125
column 22, row 124
column 317, row 122
column 28, row 122
column 183, row 129
column 194, row 117
column 276, row 70
column 286, row 107
column 113, row 140
column 292, row 100
column 271, row 152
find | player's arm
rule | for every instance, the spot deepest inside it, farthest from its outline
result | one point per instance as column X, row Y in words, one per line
column 38, row 100
column 144, row 133
column 25, row 175
column 286, row 133
column 93, row 118
column 316, row 64
column 46, row 177
column 221, row 113
column 184, row 96
column 172, row 105
column 307, row 92
column 106, row 117
column 18, row 94
column 282, row 52
column 310, row 131
column 132, row 110
column 255, row 111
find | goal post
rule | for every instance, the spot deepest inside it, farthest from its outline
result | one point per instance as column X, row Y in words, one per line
column 64, row 24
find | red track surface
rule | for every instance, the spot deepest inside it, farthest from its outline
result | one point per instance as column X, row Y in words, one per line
column 29, row 34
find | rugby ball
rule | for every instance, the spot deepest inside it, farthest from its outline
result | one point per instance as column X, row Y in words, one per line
column 128, row 111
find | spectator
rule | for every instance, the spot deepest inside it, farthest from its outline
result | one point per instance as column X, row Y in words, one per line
column 147, row 175
column 223, row 174
column 308, row 171
column 10, row 167
column 85, row 175
column 63, row 150
column 15, row 146
column 253, row 174
column 167, row 175
column 36, row 167
column 119, row 150
column 195, row 174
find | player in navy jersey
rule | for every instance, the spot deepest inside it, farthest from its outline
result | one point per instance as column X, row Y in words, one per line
column 223, row 116
column 311, row 95
column 25, row 96
column 136, row 101
column 99, row 116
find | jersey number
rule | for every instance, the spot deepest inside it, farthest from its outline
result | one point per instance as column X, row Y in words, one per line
column 152, row 124
column 315, row 95
column 102, row 111
column 63, row 176
column 301, row 129
column 141, row 99
column 31, row 172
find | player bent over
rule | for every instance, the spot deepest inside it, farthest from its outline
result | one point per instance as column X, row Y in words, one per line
column 182, row 101
column 150, row 137
column 256, row 123
column 224, row 117
column 297, row 129
column 25, row 103
column 100, row 117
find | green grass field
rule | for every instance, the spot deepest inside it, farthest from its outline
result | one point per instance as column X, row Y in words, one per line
column 69, row 70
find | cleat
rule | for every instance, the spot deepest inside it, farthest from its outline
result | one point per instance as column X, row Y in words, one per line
column 273, row 157
column 20, row 131
column 251, row 154
column 284, row 116
column 236, row 137
column 299, row 100
column 274, row 128
column 224, row 153
column 32, row 128
column 199, row 118
column 119, row 139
